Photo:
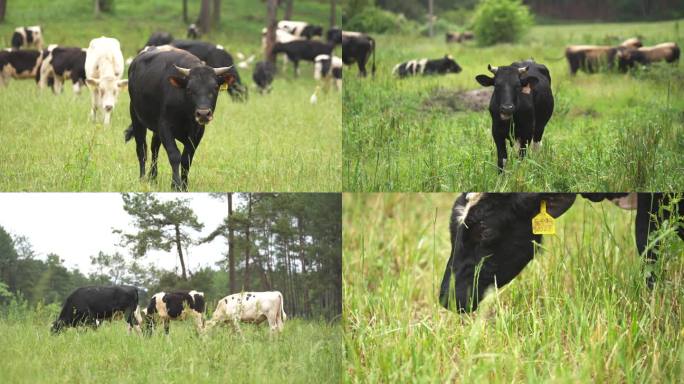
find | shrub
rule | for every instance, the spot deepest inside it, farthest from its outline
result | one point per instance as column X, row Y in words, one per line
column 440, row 27
column 501, row 21
column 376, row 20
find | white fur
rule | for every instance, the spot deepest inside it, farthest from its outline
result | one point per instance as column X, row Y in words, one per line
column 260, row 306
column 472, row 199
column 104, row 69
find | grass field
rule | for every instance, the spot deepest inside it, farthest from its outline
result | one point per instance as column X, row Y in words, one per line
column 305, row 352
column 609, row 131
column 580, row 312
column 275, row 142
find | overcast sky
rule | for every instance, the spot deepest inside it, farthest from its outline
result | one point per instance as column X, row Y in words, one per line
column 76, row 226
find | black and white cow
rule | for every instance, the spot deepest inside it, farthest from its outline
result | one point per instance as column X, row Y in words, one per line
column 177, row 305
column 87, row 306
column 306, row 50
column 264, row 72
column 19, row 64
column 173, row 94
column 214, row 55
column 357, row 48
column 442, row 66
column 60, row 64
column 193, row 31
column 250, row 307
column 328, row 68
column 492, row 239
column 159, row 38
column 28, row 37
column 301, row 28
column 522, row 96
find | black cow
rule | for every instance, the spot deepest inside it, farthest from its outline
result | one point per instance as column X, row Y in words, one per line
column 442, row 66
column 522, row 94
column 62, row 63
column 215, row 56
column 159, row 38
column 174, row 95
column 310, row 31
column 169, row 306
column 358, row 48
column 88, row 305
column 20, row 64
column 334, row 35
column 263, row 74
column 492, row 239
column 303, row 50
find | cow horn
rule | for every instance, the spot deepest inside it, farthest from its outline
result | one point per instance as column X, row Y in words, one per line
column 222, row 70
column 184, row 71
column 492, row 69
column 522, row 70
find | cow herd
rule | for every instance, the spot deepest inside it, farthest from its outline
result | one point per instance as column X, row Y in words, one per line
column 90, row 306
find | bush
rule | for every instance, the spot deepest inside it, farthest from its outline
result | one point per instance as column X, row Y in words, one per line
column 440, row 27
column 501, row 21
column 376, row 20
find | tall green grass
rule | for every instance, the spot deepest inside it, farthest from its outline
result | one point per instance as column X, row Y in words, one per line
column 579, row 312
column 306, row 352
column 274, row 142
column 609, row 131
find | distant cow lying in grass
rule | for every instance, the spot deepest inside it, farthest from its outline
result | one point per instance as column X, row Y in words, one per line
column 250, row 307
column 442, row 66
column 522, row 96
column 167, row 306
column 492, row 239
column 668, row 52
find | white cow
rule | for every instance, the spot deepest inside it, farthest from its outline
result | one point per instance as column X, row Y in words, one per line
column 104, row 67
column 250, row 307
column 293, row 27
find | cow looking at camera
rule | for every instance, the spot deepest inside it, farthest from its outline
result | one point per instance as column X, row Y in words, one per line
column 104, row 69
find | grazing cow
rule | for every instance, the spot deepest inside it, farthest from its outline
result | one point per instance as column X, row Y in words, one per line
column 89, row 306
column 334, row 35
column 173, row 94
column 522, row 95
column 668, row 52
column 60, row 64
column 176, row 305
column 104, row 68
column 28, row 37
column 263, row 74
column 358, row 48
column 327, row 68
column 193, row 31
column 427, row 67
column 459, row 37
column 302, row 50
column 591, row 58
column 492, row 239
column 301, row 29
column 20, row 64
column 215, row 56
column 159, row 38
column 632, row 42
column 250, row 307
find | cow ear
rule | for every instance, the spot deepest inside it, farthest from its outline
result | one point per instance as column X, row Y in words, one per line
column 532, row 81
column 226, row 78
column 93, row 82
column 123, row 84
column 558, row 203
column 485, row 80
column 178, row 82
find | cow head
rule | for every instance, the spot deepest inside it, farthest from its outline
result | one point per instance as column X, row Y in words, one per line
column 107, row 89
column 509, row 83
column 201, row 86
column 450, row 65
column 492, row 241
column 334, row 35
column 57, row 326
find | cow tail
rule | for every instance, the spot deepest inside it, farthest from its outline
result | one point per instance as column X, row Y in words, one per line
column 373, row 66
column 283, row 317
column 675, row 54
column 128, row 133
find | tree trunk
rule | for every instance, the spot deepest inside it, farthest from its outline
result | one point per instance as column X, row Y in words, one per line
column 185, row 11
column 204, row 19
column 217, row 13
column 3, row 8
column 431, row 15
column 333, row 13
column 97, row 8
column 302, row 258
column 288, row 9
column 231, row 244
column 179, row 248
column 272, row 8
column 247, row 239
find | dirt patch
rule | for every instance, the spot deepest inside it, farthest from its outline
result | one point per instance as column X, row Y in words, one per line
column 449, row 100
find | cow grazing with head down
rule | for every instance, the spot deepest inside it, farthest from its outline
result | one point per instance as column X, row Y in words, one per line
column 357, row 48
column 591, row 58
column 177, row 305
column 250, row 307
column 328, row 68
column 306, row 50
column 104, row 68
column 88, row 306
column 442, row 66
column 459, row 37
column 20, row 64
column 492, row 239
column 193, row 31
column 520, row 107
column 173, row 94
column 264, row 72
column 301, row 29
column 159, row 38
column 60, row 64
column 28, row 37
column 668, row 52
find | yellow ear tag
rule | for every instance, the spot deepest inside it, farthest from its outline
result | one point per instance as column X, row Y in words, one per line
column 543, row 223
column 223, row 86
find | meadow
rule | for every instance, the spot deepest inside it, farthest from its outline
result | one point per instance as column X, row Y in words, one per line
column 609, row 131
column 306, row 352
column 272, row 142
column 579, row 312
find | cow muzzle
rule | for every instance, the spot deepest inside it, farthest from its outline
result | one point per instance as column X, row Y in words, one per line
column 506, row 111
column 203, row 116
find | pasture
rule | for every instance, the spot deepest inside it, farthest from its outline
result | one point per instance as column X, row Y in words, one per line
column 579, row 312
column 273, row 142
column 305, row 352
column 608, row 132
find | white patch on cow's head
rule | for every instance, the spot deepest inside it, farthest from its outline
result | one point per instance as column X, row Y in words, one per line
column 219, row 46
column 472, row 198
column 526, row 89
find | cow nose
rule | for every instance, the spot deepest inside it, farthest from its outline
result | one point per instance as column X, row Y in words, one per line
column 203, row 114
column 108, row 108
column 507, row 108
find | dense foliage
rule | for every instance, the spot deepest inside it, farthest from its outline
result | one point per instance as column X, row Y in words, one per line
column 500, row 21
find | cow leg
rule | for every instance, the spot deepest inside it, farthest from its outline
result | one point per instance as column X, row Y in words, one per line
column 59, row 81
column 173, row 154
column 156, row 143
column 189, row 147
column 76, row 86
column 499, row 133
column 140, row 146
column 362, row 67
column 295, row 64
column 166, row 325
column 647, row 205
